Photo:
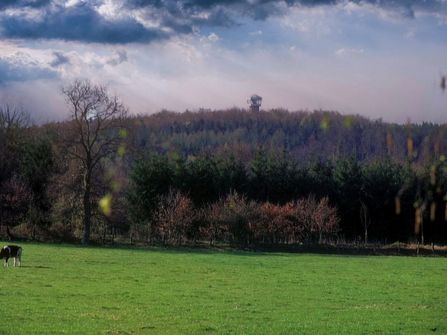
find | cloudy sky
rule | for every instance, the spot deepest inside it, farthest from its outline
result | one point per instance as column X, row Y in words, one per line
column 378, row 58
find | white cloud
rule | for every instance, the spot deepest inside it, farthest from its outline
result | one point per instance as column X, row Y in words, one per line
column 309, row 20
column 213, row 37
column 119, row 57
column 344, row 52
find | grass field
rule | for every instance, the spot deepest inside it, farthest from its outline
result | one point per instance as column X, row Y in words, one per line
column 67, row 289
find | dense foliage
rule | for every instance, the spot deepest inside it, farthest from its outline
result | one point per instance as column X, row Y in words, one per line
column 374, row 200
column 231, row 176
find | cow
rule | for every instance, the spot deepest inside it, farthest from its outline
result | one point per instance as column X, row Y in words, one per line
column 11, row 251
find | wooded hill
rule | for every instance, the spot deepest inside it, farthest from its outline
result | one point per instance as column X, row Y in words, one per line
column 304, row 135
column 232, row 176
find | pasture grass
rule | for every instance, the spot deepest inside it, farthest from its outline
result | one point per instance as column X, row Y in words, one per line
column 75, row 290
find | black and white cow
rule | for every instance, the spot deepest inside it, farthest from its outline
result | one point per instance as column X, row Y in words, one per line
column 11, row 251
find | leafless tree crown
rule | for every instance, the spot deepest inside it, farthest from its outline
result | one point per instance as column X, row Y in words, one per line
column 97, row 118
column 13, row 118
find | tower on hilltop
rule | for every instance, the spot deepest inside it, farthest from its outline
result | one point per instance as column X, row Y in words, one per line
column 255, row 102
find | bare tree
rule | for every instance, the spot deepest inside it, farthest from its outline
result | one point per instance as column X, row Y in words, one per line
column 13, row 118
column 12, row 123
column 97, row 119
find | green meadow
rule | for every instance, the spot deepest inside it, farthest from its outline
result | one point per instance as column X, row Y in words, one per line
column 75, row 290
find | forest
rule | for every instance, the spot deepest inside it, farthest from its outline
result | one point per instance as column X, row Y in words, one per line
column 231, row 177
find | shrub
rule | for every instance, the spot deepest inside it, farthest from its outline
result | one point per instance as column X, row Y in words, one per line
column 174, row 218
column 274, row 224
column 238, row 220
column 232, row 219
column 315, row 218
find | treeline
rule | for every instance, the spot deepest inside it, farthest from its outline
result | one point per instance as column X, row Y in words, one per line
column 231, row 176
column 371, row 201
column 26, row 167
column 304, row 135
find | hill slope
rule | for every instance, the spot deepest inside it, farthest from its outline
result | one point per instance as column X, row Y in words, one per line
column 304, row 135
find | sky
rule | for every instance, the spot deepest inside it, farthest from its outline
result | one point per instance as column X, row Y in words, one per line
column 377, row 58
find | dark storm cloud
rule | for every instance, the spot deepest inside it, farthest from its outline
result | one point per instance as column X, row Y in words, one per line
column 208, row 4
column 23, row 3
column 250, row 6
column 406, row 8
column 84, row 23
column 226, row 12
column 77, row 23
